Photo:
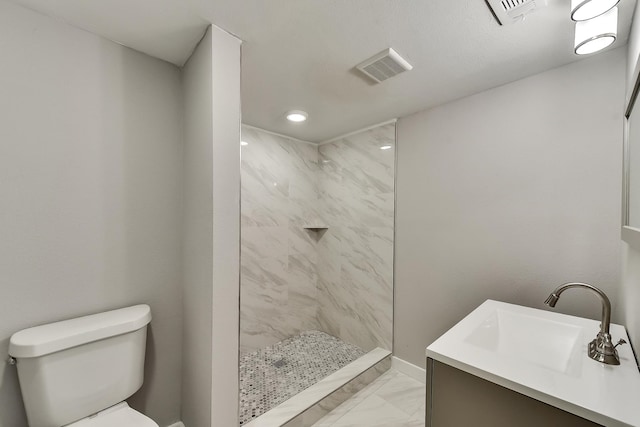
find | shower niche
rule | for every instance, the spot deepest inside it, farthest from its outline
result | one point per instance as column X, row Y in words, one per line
column 316, row 286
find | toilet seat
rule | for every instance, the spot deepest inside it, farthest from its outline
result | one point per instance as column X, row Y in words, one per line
column 120, row 415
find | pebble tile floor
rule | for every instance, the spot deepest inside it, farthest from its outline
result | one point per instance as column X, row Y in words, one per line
column 392, row 400
column 271, row 375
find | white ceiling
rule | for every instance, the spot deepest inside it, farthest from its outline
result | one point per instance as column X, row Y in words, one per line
column 300, row 54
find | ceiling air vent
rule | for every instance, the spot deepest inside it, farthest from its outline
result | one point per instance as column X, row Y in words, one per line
column 512, row 11
column 384, row 65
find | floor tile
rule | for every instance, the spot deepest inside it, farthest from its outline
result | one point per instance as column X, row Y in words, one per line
column 373, row 412
column 420, row 413
column 354, row 400
column 392, row 400
column 403, row 392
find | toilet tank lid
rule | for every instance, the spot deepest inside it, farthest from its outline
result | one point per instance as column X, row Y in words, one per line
column 52, row 337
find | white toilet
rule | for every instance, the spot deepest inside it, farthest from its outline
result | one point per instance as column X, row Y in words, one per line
column 78, row 372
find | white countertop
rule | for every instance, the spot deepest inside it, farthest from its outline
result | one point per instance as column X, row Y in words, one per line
column 566, row 378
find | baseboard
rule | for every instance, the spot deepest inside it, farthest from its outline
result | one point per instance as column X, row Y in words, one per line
column 409, row 369
column 178, row 424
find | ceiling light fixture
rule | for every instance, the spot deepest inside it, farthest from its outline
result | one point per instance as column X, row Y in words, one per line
column 597, row 33
column 243, row 143
column 582, row 10
column 297, row 116
column 385, row 147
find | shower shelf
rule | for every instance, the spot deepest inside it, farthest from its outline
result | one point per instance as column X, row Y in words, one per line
column 316, row 227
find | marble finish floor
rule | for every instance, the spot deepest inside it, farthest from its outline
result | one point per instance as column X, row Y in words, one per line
column 392, row 400
column 271, row 375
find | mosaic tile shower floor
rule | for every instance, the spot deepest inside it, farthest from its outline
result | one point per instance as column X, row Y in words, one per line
column 271, row 375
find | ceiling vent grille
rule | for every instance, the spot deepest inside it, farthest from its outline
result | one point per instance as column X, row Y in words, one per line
column 384, row 65
column 511, row 11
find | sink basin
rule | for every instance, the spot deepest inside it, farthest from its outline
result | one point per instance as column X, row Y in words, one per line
column 543, row 355
column 542, row 342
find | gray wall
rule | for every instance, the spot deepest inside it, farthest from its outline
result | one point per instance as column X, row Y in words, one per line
column 90, row 193
column 211, row 247
column 630, row 285
column 506, row 194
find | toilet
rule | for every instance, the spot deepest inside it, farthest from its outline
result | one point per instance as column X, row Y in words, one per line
column 78, row 372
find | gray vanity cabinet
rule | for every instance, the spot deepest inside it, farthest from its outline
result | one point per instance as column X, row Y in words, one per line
column 458, row 399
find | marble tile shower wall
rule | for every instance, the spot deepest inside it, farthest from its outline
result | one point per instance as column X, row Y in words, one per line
column 278, row 281
column 340, row 281
column 355, row 256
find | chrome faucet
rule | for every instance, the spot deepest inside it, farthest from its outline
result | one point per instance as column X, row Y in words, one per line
column 601, row 348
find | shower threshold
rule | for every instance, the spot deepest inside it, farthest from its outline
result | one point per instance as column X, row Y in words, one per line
column 281, row 381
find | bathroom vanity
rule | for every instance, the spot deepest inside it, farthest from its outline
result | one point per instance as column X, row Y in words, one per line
column 508, row 365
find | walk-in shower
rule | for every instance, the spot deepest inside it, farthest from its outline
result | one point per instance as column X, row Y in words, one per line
column 316, row 264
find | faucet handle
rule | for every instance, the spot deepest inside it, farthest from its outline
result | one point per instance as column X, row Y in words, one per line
column 621, row 341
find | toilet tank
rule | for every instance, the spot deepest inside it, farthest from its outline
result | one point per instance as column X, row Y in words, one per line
column 72, row 369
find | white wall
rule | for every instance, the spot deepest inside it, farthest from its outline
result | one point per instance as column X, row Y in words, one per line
column 355, row 255
column 225, row 74
column 630, row 295
column 278, row 280
column 630, row 287
column 507, row 194
column 211, row 81
column 198, row 243
column 340, row 280
column 90, row 193
column 633, row 47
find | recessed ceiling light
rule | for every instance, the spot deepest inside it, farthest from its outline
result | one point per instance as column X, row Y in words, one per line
column 297, row 116
column 597, row 33
column 385, row 147
column 243, row 143
column 581, row 10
